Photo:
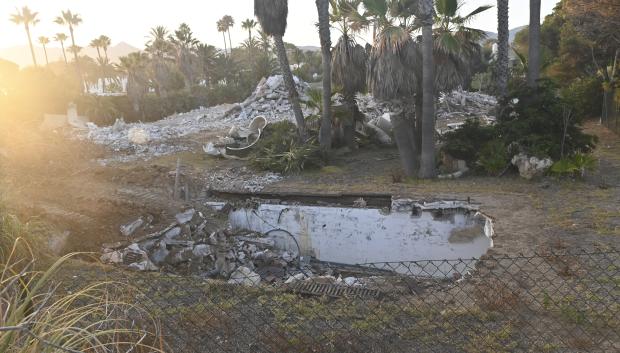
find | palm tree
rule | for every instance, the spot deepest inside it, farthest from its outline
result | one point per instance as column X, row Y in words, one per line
column 229, row 22
column 249, row 25
column 71, row 20
column 264, row 41
column 221, row 27
column 503, row 32
column 134, row 67
column 44, row 41
column 96, row 43
column 427, row 152
column 325, row 134
column 61, row 38
column 272, row 15
column 348, row 61
column 207, row 55
column 26, row 17
column 185, row 44
column 105, row 43
column 533, row 67
column 160, row 50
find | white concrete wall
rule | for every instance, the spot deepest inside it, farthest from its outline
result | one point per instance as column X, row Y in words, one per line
column 360, row 235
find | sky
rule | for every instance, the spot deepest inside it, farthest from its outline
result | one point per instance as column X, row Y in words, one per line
column 130, row 20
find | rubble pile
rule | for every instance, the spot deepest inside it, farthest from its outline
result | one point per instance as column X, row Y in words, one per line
column 453, row 109
column 240, row 178
column 196, row 245
column 147, row 140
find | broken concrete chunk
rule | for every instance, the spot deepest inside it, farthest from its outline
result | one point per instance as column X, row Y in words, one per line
column 172, row 233
column 531, row 167
column 130, row 228
column 244, row 276
column 112, row 257
column 145, row 265
column 202, row 250
column 185, row 217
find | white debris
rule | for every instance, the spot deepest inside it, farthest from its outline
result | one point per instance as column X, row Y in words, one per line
column 130, row 228
column 531, row 167
column 244, row 276
column 185, row 217
column 138, row 136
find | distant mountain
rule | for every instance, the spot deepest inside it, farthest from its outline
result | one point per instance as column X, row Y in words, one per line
column 21, row 54
column 513, row 33
column 309, row 48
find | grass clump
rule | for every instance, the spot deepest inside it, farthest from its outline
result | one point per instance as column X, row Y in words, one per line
column 37, row 316
column 280, row 150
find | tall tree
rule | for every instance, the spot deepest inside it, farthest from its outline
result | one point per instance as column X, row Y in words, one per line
column 61, row 38
column 325, row 134
column 427, row 154
column 134, row 67
column 230, row 23
column 28, row 18
column 349, row 61
column 185, row 44
column 533, row 66
column 249, row 25
column 207, row 55
column 105, row 43
column 71, row 20
column 44, row 41
column 272, row 15
column 160, row 50
column 503, row 33
column 221, row 27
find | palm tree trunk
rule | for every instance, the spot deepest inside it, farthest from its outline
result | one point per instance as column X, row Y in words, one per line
column 534, row 44
column 64, row 53
column 34, row 58
column 502, row 69
column 405, row 141
column 229, row 42
column 77, row 61
column 47, row 62
column 293, row 96
column 225, row 44
column 427, row 160
column 325, row 134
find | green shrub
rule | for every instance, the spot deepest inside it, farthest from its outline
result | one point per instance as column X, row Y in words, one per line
column 533, row 119
column 279, row 150
column 576, row 165
column 467, row 142
column 493, row 157
column 586, row 95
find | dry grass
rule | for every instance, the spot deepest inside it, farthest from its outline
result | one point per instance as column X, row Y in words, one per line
column 36, row 318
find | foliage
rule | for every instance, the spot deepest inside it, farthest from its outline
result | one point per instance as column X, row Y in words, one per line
column 279, row 150
column 576, row 165
column 586, row 94
column 467, row 142
column 493, row 157
column 533, row 119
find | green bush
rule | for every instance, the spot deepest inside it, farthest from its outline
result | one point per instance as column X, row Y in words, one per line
column 493, row 157
column 533, row 120
column 586, row 95
column 576, row 165
column 280, row 151
column 467, row 142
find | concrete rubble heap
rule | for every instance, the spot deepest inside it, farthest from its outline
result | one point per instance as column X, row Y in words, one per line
column 194, row 245
column 147, row 140
column 453, row 109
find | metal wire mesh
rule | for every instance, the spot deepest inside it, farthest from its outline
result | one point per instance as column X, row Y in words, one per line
column 550, row 302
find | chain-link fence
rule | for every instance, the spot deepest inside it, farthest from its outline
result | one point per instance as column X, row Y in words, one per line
column 549, row 302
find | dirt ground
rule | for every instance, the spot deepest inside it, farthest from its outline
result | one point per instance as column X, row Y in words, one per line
column 45, row 176
column 48, row 177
